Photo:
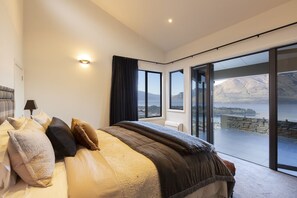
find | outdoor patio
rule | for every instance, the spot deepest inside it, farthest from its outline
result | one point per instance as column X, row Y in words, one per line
column 254, row 147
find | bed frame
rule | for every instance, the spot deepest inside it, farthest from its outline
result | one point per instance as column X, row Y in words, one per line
column 6, row 103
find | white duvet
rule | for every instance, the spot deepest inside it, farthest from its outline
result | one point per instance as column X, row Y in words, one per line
column 57, row 190
column 114, row 171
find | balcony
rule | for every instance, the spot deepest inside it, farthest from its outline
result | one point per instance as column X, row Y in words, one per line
column 248, row 139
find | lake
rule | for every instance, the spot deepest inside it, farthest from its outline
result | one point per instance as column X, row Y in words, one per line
column 285, row 111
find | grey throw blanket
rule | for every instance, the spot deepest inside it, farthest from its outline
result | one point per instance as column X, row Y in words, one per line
column 181, row 142
column 179, row 174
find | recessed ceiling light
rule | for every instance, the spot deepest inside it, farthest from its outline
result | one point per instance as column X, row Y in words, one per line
column 169, row 20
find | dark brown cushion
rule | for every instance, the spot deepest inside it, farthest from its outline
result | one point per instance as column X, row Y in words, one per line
column 84, row 134
column 230, row 166
column 61, row 138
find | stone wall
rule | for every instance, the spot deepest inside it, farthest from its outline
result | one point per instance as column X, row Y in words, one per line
column 285, row 128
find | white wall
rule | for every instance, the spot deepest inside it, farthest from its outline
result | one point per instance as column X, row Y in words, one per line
column 273, row 18
column 56, row 32
column 11, row 45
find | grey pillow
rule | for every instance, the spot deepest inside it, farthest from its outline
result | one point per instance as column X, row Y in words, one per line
column 32, row 156
column 61, row 138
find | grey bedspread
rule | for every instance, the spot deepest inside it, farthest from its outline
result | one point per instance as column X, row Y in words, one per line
column 181, row 142
column 180, row 174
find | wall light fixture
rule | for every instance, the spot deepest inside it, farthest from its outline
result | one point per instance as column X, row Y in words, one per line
column 84, row 59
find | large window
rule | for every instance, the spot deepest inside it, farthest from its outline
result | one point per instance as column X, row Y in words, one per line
column 149, row 94
column 241, row 107
column 286, row 109
column 177, row 90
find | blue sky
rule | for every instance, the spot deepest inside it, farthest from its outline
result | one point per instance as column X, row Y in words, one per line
column 177, row 82
column 154, row 83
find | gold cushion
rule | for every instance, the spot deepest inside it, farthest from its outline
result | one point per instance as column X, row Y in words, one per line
column 84, row 134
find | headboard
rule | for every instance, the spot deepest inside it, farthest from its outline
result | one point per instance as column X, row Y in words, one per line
column 6, row 103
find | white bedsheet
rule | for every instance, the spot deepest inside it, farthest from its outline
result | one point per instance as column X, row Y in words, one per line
column 128, row 172
column 57, row 190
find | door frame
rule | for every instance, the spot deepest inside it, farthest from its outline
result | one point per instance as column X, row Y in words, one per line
column 208, row 102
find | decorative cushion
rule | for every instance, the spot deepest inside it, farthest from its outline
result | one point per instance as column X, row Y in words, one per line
column 43, row 119
column 17, row 122
column 32, row 156
column 84, row 134
column 230, row 166
column 7, row 175
column 32, row 125
column 74, row 122
column 61, row 138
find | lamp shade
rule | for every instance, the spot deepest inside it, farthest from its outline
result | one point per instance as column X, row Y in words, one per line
column 30, row 105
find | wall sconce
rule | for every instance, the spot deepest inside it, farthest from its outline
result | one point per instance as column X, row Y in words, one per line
column 84, row 59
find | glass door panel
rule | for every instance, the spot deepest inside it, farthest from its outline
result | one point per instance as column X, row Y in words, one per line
column 287, row 108
column 241, row 107
column 201, row 114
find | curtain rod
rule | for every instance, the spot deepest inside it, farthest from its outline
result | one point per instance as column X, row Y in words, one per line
column 221, row 46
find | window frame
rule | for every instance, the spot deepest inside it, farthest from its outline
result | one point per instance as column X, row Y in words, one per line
column 170, row 91
column 146, row 72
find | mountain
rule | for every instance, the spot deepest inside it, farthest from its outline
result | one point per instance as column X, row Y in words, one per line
column 255, row 89
column 287, row 87
column 242, row 89
column 141, row 96
column 178, row 97
column 151, row 97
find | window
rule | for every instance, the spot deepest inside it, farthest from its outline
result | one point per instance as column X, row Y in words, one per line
column 177, row 90
column 149, row 94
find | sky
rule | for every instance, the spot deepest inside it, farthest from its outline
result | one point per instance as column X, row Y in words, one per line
column 154, row 82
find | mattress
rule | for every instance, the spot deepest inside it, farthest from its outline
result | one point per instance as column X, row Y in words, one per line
column 57, row 190
column 135, row 175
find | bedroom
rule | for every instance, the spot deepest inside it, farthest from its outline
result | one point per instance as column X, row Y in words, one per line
column 45, row 38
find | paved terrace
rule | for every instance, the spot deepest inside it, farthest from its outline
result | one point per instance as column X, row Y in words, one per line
column 254, row 147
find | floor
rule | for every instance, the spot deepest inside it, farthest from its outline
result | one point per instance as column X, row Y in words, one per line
column 255, row 181
column 254, row 147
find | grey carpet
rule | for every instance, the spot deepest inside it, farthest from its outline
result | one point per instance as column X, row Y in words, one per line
column 253, row 181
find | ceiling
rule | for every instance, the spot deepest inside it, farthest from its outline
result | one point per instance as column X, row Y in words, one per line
column 242, row 61
column 192, row 19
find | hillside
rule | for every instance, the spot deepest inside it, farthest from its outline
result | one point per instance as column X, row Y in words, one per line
column 255, row 89
column 242, row 89
column 287, row 87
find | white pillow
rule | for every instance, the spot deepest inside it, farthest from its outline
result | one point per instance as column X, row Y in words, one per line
column 32, row 125
column 43, row 119
column 32, row 156
column 7, row 175
column 17, row 122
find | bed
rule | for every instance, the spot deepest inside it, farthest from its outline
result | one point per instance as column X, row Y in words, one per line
column 117, row 170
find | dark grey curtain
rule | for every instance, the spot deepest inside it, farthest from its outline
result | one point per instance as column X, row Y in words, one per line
column 124, row 88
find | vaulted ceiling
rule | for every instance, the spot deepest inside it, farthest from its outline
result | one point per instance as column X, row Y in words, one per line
column 191, row 19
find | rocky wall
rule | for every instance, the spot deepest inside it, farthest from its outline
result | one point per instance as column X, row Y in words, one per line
column 259, row 125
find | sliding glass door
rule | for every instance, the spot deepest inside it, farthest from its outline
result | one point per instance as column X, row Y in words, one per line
column 287, row 109
column 241, row 107
column 202, row 102
column 247, row 106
